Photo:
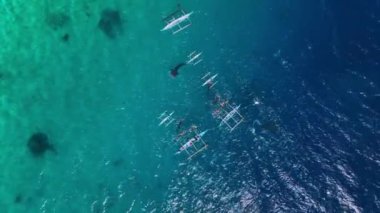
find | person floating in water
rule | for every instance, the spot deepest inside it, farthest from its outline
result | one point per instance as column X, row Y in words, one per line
column 175, row 71
column 179, row 125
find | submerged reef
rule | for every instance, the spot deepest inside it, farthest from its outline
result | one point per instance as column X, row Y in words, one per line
column 57, row 20
column 110, row 23
column 38, row 144
column 66, row 37
column 18, row 198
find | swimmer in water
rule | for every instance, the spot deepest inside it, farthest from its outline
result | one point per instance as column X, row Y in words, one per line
column 217, row 99
column 179, row 125
column 174, row 72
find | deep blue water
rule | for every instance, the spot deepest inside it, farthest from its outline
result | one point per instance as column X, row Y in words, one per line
column 314, row 65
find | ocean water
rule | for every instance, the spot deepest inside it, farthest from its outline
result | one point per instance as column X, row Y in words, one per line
column 306, row 74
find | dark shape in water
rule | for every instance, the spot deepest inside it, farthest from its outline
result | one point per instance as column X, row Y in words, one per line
column 18, row 198
column 66, row 37
column 39, row 143
column 270, row 126
column 57, row 20
column 117, row 162
column 179, row 125
column 175, row 71
column 110, row 23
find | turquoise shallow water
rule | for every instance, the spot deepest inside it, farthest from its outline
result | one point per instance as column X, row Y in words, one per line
column 96, row 98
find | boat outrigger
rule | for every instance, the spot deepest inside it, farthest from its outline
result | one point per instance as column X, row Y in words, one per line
column 192, row 142
column 177, row 21
column 166, row 118
column 228, row 115
column 194, row 58
column 209, row 81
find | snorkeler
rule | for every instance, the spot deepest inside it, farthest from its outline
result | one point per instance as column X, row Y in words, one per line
column 180, row 135
column 174, row 72
column 217, row 99
column 179, row 125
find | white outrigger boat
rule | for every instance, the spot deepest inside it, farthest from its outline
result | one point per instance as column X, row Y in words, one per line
column 194, row 58
column 166, row 118
column 228, row 115
column 209, row 81
column 194, row 145
column 177, row 21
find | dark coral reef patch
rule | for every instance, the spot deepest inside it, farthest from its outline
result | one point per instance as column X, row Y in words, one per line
column 38, row 144
column 57, row 20
column 111, row 23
